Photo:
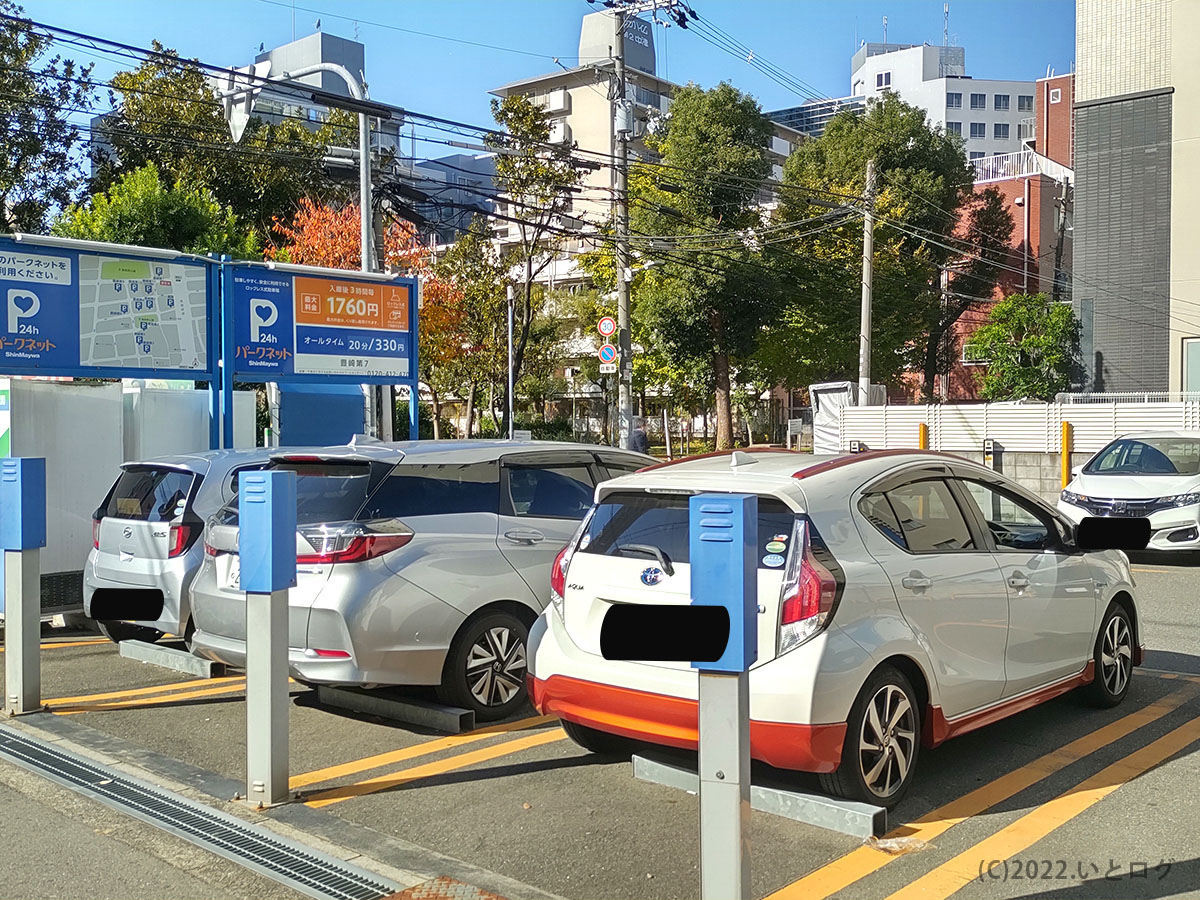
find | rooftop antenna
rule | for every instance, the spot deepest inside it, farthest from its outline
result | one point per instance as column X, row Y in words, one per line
column 885, row 30
column 945, row 24
column 293, row 20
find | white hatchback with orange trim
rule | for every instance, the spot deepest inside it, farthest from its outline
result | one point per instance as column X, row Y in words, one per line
column 904, row 597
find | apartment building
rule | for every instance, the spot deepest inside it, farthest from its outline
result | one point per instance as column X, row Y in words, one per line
column 1136, row 153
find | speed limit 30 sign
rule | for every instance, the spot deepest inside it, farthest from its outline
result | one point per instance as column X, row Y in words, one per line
column 607, row 326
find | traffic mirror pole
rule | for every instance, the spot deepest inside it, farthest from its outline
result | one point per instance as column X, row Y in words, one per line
column 22, row 535
column 723, row 532
column 267, row 551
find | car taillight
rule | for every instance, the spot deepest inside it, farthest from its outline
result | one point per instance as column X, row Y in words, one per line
column 331, row 654
column 351, row 543
column 807, row 595
column 179, row 538
column 210, row 550
column 96, row 533
column 558, row 577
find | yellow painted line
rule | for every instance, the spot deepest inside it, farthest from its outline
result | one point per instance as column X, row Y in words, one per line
column 949, row 877
column 147, row 701
column 422, row 749
column 1155, row 569
column 51, row 645
column 404, row 776
column 844, row 871
column 153, row 689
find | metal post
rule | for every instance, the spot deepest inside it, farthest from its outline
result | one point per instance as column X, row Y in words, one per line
column 215, row 354
column 722, row 537
column 267, row 551
column 226, row 362
column 22, row 533
column 864, row 340
column 364, row 187
column 414, row 395
column 511, row 403
column 1068, row 441
column 622, row 119
column 724, row 786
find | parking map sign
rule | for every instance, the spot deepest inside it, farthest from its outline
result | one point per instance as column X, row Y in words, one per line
column 71, row 312
column 286, row 323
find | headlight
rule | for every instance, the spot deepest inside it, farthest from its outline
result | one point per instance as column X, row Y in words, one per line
column 1073, row 498
column 1180, row 499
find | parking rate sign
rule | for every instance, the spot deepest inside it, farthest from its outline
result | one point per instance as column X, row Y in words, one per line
column 293, row 324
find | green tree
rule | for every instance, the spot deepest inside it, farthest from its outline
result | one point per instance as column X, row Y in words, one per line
column 40, row 170
column 168, row 114
column 1031, row 345
column 704, row 304
column 139, row 209
column 924, row 184
column 537, row 178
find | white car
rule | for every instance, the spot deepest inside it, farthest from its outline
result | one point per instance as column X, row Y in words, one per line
column 1152, row 474
column 904, row 597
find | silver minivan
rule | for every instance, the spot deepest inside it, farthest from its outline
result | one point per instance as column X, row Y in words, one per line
column 418, row 563
column 146, row 543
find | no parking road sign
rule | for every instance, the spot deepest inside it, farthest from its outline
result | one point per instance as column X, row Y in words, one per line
column 607, row 353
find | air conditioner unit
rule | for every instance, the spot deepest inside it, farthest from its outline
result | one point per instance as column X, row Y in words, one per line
column 558, row 101
column 560, row 131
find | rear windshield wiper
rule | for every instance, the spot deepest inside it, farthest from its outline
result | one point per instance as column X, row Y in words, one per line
column 650, row 550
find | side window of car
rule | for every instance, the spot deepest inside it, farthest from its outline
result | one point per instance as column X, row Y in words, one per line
column 617, row 467
column 435, row 489
column 1013, row 523
column 236, row 473
column 878, row 511
column 553, row 492
column 929, row 517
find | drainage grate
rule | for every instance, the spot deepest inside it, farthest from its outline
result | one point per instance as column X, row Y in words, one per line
column 302, row 868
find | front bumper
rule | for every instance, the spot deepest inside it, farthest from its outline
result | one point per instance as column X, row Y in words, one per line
column 1170, row 529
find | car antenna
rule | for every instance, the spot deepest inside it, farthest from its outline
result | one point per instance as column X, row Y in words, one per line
column 738, row 458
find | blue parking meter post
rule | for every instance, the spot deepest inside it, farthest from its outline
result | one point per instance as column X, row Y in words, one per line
column 723, row 538
column 22, row 535
column 267, row 556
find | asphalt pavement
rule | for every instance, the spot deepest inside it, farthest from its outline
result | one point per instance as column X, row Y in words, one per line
column 1060, row 802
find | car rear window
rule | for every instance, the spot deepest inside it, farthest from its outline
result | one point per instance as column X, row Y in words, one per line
column 150, row 494
column 330, row 491
column 436, row 490
column 661, row 520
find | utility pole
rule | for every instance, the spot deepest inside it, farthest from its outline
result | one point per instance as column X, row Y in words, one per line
column 511, row 403
column 864, row 339
column 622, row 131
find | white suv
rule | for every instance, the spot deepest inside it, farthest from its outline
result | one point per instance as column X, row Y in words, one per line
column 904, row 597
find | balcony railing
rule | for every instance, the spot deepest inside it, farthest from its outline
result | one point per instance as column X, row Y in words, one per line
column 1017, row 165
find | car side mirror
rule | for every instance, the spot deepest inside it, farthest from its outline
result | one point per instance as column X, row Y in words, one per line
column 1112, row 533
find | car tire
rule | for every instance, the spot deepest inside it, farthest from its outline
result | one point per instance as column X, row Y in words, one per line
column 882, row 744
column 1113, row 659
column 124, row 631
column 599, row 742
column 485, row 668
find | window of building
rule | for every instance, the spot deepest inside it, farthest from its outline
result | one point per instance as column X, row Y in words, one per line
column 1000, row 101
column 954, row 100
column 973, row 355
column 977, row 154
column 954, row 128
column 883, row 80
column 1000, row 131
column 978, row 130
column 1025, row 103
column 1056, row 95
column 979, row 101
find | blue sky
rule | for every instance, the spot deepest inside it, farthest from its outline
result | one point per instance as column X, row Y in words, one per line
column 812, row 41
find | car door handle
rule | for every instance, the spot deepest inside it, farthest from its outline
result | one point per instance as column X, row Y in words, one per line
column 521, row 536
column 914, row 583
column 1018, row 582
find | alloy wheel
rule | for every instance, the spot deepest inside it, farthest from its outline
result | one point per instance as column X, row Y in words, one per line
column 496, row 666
column 887, row 741
column 1116, row 655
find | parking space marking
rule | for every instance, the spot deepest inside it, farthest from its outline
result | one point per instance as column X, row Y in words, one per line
column 51, row 645
column 461, row 761
column 426, row 747
column 148, row 701
column 949, row 877
column 152, row 689
column 844, row 871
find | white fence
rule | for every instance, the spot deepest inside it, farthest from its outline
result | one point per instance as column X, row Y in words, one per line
column 1017, row 427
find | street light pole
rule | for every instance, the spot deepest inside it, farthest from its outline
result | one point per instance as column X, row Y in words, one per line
column 622, row 128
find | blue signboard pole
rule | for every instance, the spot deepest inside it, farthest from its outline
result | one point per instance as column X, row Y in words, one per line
column 227, row 353
column 723, row 532
column 414, row 417
column 22, row 534
column 215, row 353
